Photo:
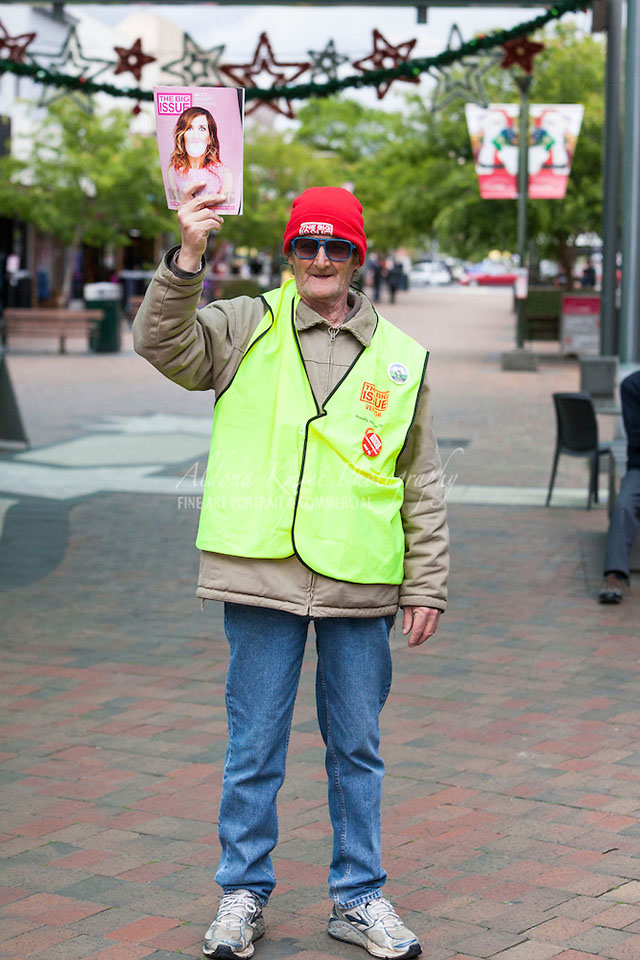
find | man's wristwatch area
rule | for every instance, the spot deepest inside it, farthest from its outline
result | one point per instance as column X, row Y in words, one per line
column 171, row 260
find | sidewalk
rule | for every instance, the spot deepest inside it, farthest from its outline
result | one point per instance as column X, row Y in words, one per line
column 511, row 821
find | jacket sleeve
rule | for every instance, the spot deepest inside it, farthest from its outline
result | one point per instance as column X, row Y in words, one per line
column 424, row 513
column 199, row 349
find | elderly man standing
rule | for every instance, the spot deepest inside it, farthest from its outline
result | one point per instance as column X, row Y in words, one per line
column 323, row 502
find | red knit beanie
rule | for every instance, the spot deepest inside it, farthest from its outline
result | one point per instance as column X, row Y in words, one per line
column 330, row 212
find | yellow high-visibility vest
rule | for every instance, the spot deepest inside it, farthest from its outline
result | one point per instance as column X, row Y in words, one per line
column 286, row 476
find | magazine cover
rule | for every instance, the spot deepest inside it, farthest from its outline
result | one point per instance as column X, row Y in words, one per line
column 199, row 131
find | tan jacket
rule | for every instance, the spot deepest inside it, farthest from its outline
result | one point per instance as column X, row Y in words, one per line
column 201, row 350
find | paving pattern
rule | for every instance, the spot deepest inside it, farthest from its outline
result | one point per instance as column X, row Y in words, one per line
column 512, row 741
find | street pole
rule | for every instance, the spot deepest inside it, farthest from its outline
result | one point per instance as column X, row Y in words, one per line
column 611, row 180
column 631, row 190
column 524, row 83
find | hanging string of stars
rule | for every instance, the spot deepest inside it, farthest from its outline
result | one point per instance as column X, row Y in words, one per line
column 71, row 70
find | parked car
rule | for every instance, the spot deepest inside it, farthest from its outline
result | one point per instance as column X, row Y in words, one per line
column 430, row 273
column 489, row 275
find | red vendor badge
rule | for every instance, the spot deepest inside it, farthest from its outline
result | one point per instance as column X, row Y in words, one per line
column 371, row 443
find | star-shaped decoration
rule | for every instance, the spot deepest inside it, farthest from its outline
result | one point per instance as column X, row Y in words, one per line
column 71, row 61
column 385, row 56
column 264, row 64
column 14, row 48
column 325, row 63
column 520, row 51
column 468, row 85
column 132, row 59
column 197, row 67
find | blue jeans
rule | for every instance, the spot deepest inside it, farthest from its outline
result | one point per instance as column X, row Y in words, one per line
column 353, row 678
column 624, row 524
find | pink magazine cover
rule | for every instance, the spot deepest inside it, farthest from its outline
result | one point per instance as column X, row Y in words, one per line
column 199, row 131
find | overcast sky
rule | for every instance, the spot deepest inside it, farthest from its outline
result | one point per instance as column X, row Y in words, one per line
column 294, row 30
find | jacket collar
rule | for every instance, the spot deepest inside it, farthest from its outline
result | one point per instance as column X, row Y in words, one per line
column 360, row 321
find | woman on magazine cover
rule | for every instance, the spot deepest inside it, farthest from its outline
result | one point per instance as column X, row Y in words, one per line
column 196, row 156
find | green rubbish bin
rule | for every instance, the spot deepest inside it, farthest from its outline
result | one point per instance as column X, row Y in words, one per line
column 105, row 337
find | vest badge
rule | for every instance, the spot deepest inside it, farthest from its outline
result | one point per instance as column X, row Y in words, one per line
column 374, row 399
column 398, row 373
column 371, row 443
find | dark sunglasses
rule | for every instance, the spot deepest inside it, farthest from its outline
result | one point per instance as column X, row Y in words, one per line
column 306, row 248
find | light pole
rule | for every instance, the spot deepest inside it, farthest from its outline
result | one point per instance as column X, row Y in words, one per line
column 611, row 177
column 521, row 52
column 524, row 83
column 628, row 345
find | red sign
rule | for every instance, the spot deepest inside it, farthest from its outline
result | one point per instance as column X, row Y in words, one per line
column 585, row 305
column 371, row 443
column 580, row 323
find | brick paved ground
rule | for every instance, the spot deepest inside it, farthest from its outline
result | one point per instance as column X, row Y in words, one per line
column 512, row 742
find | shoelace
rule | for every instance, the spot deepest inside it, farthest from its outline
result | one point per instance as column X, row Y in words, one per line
column 235, row 904
column 381, row 909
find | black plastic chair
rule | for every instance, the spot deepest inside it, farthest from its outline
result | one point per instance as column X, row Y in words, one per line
column 577, row 436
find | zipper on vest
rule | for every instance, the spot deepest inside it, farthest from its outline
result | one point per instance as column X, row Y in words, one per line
column 333, row 333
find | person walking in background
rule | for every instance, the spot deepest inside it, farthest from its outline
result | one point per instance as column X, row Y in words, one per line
column 395, row 279
column 625, row 516
column 588, row 278
column 323, row 503
column 376, row 277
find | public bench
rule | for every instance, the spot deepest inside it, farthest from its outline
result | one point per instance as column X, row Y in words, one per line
column 48, row 322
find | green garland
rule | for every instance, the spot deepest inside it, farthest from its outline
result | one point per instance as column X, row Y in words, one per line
column 407, row 69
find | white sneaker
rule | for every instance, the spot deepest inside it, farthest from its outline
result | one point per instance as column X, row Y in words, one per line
column 238, row 923
column 375, row 926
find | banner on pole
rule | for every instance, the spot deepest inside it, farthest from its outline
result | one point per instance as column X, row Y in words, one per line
column 553, row 134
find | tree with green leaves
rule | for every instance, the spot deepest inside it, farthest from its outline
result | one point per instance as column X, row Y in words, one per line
column 415, row 173
column 86, row 180
column 347, row 130
column 277, row 168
